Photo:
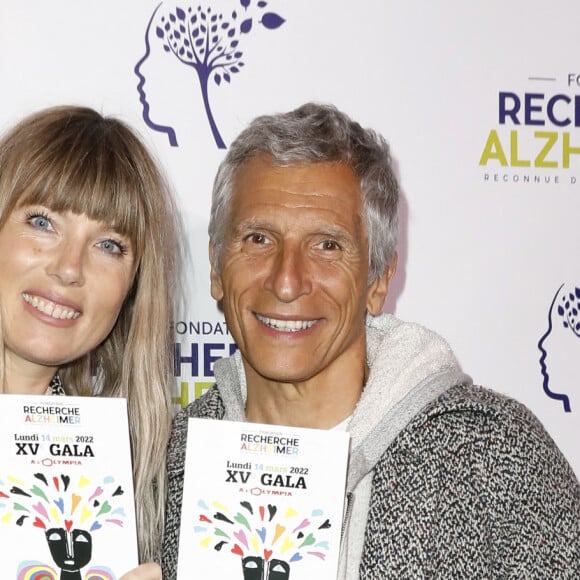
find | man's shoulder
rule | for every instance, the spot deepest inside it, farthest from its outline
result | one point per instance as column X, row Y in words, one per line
column 481, row 405
column 477, row 484
column 473, row 425
column 208, row 406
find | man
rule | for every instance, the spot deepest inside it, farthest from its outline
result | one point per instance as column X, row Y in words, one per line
column 445, row 478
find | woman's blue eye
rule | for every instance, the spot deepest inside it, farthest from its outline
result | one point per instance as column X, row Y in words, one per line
column 40, row 221
column 112, row 247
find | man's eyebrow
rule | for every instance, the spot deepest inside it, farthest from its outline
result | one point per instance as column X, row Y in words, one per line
column 334, row 232
column 325, row 230
column 252, row 224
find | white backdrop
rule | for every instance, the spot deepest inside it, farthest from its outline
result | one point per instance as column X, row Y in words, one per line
column 478, row 101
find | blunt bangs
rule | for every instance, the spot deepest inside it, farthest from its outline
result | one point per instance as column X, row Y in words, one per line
column 83, row 165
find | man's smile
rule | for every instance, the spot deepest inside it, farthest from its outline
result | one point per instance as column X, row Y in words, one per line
column 286, row 325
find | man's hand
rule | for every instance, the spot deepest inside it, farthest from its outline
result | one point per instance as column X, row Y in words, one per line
column 150, row 571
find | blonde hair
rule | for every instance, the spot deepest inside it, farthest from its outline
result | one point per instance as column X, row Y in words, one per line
column 74, row 159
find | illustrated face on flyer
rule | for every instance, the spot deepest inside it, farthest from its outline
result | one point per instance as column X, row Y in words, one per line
column 70, row 550
column 267, row 540
column 69, row 511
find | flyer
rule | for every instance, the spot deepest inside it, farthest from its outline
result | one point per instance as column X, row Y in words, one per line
column 66, row 489
column 261, row 502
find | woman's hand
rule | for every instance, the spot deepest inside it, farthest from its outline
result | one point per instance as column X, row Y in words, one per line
column 150, row 571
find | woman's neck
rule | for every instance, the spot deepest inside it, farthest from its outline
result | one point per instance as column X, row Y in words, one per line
column 27, row 380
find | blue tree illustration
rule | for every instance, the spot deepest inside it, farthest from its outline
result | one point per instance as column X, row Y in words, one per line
column 569, row 310
column 209, row 43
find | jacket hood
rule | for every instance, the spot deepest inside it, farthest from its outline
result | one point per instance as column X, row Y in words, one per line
column 410, row 366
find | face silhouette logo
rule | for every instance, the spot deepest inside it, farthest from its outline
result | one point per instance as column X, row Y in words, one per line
column 208, row 43
column 71, row 551
column 559, row 345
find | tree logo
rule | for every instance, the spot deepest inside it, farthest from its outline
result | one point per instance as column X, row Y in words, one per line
column 207, row 41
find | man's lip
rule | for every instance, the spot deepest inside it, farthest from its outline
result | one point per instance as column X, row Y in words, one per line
column 286, row 323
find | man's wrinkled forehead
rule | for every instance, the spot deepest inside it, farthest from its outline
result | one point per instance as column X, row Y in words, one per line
column 327, row 193
column 263, row 166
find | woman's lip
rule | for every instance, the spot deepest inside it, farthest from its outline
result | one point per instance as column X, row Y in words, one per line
column 56, row 298
column 50, row 312
column 58, row 321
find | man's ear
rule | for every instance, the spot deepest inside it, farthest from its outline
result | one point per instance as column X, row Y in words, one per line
column 217, row 291
column 378, row 289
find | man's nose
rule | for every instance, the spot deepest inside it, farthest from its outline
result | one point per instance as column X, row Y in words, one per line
column 289, row 277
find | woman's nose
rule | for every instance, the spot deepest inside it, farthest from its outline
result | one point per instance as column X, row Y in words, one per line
column 67, row 264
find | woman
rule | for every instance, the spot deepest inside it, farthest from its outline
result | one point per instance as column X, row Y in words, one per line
column 89, row 261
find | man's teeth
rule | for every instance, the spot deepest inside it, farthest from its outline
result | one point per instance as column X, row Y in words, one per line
column 286, row 325
column 50, row 308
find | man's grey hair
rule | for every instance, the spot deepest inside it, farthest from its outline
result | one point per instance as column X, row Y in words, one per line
column 316, row 133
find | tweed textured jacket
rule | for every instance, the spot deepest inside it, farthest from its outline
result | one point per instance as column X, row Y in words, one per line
column 466, row 483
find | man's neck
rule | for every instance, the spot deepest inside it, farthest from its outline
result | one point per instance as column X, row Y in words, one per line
column 320, row 402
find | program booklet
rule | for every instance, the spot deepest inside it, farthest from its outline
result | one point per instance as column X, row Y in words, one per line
column 262, row 502
column 66, row 489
